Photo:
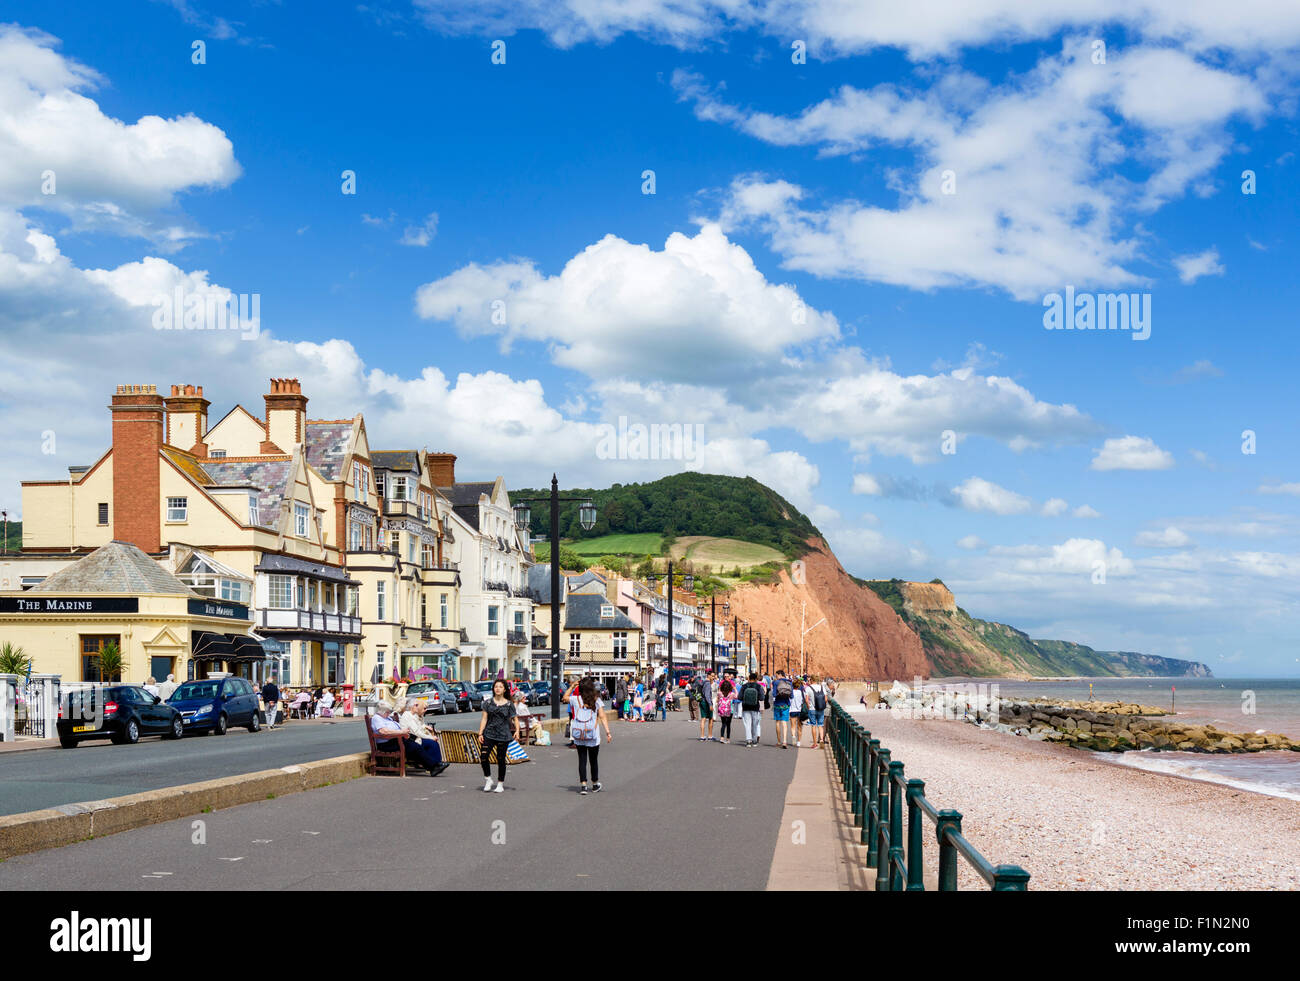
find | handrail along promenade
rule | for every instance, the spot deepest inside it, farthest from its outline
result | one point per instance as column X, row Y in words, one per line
column 875, row 786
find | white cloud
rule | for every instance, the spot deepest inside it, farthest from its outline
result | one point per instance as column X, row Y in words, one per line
column 106, row 173
column 1170, row 537
column 1054, row 506
column 1131, row 453
column 971, row 542
column 864, row 483
column 422, row 234
column 1292, row 488
column 1086, row 511
column 1193, row 267
column 977, row 494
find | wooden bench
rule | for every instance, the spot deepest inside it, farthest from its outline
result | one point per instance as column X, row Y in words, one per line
column 381, row 760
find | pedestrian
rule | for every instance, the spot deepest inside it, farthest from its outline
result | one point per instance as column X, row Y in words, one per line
column 661, row 697
column 271, row 696
column 782, row 693
column 707, row 692
column 588, row 718
column 494, row 732
column 151, row 686
column 751, row 702
column 724, row 709
column 798, row 711
column 620, row 696
column 816, row 695
column 168, row 688
column 692, row 696
column 638, row 702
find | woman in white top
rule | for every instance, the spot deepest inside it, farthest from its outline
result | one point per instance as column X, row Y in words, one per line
column 796, row 711
column 410, row 715
column 588, row 719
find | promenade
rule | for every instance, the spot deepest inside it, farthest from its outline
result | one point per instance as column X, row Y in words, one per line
column 675, row 814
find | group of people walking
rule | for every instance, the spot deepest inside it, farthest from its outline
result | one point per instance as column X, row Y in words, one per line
column 795, row 702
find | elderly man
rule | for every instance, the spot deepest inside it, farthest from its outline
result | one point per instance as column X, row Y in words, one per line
column 168, row 687
column 426, row 752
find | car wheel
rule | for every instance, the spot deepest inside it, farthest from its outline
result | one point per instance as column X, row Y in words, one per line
column 220, row 727
column 131, row 734
column 68, row 742
column 177, row 729
column 255, row 723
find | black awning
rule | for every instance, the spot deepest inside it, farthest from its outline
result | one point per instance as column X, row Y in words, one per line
column 207, row 645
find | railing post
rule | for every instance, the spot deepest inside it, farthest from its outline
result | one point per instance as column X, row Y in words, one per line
column 896, row 826
column 881, row 780
column 864, row 794
column 853, row 795
column 1010, row 878
column 948, row 821
column 873, row 802
column 915, row 854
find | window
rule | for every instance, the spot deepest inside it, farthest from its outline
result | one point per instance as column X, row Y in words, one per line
column 280, row 593
column 313, row 602
column 103, row 513
column 575, row 645
column 304, row 661
column 300, row 515
column 216, row 454
column 607, row 612
column 297, row 594
column 356, row 536
column 379, row 661
column 620, row 645
column 379, row 600
column 426, row 556
column 379, row 484
column 519, row 620
column 177, row 508
column 29, row 581
column 352, row 601
column 90, row 648
column 360, row 481
column 442, row 604
column 424, row 622
column 399, row 489
column 395, row 543
column 232, row 590
column 410, row 549
column 253, row 517
column 494, row 621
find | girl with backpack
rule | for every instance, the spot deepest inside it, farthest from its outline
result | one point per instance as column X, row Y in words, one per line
column 724, row 709
column 815, row 696
column 588, row 713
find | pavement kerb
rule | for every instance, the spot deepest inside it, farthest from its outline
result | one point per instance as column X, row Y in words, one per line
column 807, row 856
column 54, row 827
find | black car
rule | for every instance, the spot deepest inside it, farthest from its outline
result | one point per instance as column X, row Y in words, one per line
column 216, row 704
column 541, row 693
column 467, row 699
column 122, row 713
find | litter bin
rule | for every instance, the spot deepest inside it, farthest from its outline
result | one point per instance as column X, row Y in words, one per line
column 348, row 691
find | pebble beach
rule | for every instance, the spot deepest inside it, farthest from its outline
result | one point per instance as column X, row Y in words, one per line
column 1077, row 821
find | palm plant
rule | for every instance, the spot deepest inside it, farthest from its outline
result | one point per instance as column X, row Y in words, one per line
column 13, row 660
column 111, row 662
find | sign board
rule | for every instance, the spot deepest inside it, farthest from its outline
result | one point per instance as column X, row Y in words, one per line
column 38, row 605
column 214, row 608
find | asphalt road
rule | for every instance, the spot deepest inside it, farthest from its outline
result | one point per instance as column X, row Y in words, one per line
column 96, row 769
column 675, row 813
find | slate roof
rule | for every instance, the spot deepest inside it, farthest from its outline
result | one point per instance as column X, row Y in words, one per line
column 402, row 460
column 582, row 612
column 188, row 465
column 273, row 562
column 583, row 579
column 464, row 498
column 539, row 581
column 118, row 567
column 327, row 444
column 270, row 477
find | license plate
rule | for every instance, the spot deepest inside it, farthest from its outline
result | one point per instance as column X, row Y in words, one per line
column 83, row 728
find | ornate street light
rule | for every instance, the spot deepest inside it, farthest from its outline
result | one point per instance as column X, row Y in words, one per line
column 587, row 515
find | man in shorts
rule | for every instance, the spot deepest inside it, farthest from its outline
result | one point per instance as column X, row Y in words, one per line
column 707, row 687
column 782, row 693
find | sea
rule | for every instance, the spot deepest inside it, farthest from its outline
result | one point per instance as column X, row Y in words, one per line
column 1234, row 704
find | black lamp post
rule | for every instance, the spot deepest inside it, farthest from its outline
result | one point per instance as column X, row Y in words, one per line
column 688, row 582
column 587, row 518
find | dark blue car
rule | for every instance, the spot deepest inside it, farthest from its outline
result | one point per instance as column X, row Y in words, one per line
column 216, row 704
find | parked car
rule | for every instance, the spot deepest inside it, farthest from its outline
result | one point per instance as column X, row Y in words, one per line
column 215, row 704
column 467, row 699
column 541, row 693
column 122, row 713
column 484, row 689
column 440, row 697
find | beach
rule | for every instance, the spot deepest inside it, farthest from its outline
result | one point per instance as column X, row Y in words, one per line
column 1077, row 821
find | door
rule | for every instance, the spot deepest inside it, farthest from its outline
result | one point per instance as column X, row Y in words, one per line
column 154, row 717
column 236, row 702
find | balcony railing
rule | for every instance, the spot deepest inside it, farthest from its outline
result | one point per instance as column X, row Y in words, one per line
column 405, row 509
column 333, row 623
column 516, row 638
column 496, row 586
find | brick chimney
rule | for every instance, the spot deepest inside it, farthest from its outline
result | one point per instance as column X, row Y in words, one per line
column 286, row 416
column 442, row 469
column 137, row 435
column 187, row 419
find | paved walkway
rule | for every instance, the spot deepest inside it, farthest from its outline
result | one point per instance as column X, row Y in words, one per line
column 675, row 814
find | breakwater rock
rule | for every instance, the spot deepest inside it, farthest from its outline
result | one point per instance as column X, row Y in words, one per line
column 1102, row 726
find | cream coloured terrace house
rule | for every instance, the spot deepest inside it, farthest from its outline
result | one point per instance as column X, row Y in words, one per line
column 248, row 511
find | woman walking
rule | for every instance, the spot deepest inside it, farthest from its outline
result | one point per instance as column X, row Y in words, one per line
column 815, row 697
column 588, row 717
column 494, row 731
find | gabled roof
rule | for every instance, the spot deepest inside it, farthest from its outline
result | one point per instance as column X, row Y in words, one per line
column 395, row 459
column 327, row 446
column 118, row 567
column 237, row 408
column 464, row 498
column 582, row 612
column 539, row 581
column 270, row 477
column 188, row 465
column 584, row 579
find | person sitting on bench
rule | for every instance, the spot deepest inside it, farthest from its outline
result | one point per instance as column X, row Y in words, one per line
column 424, row 752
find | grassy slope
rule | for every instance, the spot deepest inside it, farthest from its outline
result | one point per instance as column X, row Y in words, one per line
column 724, row 553
column 637, row 543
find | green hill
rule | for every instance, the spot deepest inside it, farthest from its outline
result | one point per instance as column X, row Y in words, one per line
column 15, row 540
column 681, row 505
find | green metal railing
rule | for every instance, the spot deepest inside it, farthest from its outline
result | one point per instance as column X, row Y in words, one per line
column 875, row 786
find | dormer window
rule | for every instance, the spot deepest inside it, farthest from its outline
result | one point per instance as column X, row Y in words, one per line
column 301, row 513
column 607, row 612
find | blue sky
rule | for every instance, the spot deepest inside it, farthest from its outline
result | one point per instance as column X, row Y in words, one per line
column 799, row 284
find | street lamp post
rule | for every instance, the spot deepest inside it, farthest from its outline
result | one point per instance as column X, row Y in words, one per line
column 688, row 581
column 587, row 518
